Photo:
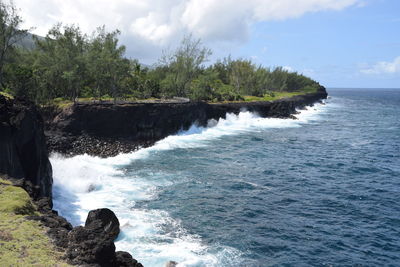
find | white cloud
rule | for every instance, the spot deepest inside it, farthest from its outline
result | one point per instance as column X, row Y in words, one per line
column 147, row 25
column 288, row 68
column 383, row 67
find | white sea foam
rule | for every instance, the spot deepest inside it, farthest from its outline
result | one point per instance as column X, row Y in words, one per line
column 82, row 183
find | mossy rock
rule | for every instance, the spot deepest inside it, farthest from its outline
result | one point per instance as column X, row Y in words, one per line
column 5, row 182
column 16, row 200
column 23, row 242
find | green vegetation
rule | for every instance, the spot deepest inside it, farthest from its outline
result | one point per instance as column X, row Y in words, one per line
column 16, row 200
column 68, row 66
column 279, row 95
column 7, row 95
column 23, row 242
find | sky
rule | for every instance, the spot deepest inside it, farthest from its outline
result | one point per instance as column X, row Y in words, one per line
column 339, row 43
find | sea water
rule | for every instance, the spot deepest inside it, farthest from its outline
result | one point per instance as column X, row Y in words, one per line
column 251, row 191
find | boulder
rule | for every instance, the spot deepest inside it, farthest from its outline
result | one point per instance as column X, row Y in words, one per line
column 93, row 244
column 105, row 220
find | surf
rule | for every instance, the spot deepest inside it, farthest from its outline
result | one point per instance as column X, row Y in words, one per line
column 84, row 182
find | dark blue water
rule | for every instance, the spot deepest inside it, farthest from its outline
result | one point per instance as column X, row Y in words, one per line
column 322, row 192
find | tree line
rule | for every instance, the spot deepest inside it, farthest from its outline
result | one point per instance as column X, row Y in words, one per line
column 69, row 64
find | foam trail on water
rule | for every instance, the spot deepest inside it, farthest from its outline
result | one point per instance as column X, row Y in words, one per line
column 83, row 182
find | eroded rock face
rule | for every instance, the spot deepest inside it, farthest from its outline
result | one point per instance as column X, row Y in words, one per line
column 23, row 151
column 107, row 130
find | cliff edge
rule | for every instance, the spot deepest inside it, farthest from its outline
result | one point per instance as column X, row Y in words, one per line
column 106, row 129
column 23, row 151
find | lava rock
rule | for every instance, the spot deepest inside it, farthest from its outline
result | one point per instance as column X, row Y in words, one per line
column 124, row 259
column 93, row 244
column 105, row 129
column 23, row 150
column 105, row 220
column 86, row 246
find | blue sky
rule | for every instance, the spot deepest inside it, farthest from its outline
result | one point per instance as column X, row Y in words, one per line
column 340, row 43
column 333, row 47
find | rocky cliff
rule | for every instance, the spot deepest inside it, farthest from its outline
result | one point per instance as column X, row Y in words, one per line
column 24, row 163
column 107, row 129
column 23, row 152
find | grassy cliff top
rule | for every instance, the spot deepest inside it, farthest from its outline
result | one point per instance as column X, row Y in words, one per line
column 23, row 242
column 272, row 96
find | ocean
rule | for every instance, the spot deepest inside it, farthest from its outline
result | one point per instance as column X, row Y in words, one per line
column 323, row 190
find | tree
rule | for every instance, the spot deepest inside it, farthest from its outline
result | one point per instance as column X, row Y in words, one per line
column 61, row 61
column 106, row 62
column 9, row 33
column 241, row 76
column 185, row 64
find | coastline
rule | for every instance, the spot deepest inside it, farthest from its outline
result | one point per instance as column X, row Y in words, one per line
column 107, row 130
column 76, row 131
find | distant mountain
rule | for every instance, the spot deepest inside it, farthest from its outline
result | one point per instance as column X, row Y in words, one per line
column 28, row 42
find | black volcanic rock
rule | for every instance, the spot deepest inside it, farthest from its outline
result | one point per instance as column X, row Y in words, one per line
column 86, row 246
column 58, row 225
column 105, row 129
column 93, row 244
column 124, row 259
column 23, row 151
column 89, row 245
column 105, row 220
column 24, row 160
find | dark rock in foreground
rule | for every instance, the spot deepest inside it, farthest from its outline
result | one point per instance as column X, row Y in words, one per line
column 93, row 244
column 105, row 220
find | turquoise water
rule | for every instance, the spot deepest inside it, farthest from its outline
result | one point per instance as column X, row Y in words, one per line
column 247, row 191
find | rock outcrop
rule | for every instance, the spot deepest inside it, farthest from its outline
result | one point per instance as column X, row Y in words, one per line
column 107, row 129
column 93, row 244
column 23, row 151
column 89, row 245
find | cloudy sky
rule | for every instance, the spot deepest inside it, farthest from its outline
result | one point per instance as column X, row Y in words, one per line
column 340, row 43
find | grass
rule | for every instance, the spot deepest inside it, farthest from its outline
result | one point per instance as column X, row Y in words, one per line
column 274, row 96
column 64, row 103
column 23, row 242
column 7, row 95
column 15, row 200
